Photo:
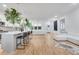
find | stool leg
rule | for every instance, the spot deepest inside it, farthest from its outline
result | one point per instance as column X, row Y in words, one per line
column 20, row 44
column 25, row 41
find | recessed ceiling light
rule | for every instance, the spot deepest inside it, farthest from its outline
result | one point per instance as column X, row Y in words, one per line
column 55, row 16
column 74, row 3
column 4, row 5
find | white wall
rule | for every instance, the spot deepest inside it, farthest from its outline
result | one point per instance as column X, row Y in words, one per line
column 42, row 31
column 44, row 27
column 72, row 22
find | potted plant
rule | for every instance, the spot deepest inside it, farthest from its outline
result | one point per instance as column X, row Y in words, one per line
column 13, row 16
column 28, row 23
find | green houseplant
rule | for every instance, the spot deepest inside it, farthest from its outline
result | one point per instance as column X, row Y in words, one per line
column 28, row 23
column 12, row 15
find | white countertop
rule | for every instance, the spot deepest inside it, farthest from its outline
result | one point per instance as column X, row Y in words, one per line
column 13, row 32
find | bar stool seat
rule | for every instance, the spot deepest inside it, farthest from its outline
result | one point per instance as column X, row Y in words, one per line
column 25, row 38
column 19, row 42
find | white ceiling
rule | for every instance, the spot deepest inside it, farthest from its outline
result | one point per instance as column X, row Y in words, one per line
column 41, row 11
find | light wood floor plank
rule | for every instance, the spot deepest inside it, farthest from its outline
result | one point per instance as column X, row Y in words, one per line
column 40, row 45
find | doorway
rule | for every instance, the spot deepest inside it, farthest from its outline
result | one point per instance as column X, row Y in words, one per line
column 55, row 26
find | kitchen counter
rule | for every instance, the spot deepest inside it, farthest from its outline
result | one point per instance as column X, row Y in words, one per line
column 8, row 41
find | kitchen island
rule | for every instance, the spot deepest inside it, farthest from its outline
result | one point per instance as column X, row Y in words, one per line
column 8, row 41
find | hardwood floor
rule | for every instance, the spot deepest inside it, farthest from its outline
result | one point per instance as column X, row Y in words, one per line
column 40, row 45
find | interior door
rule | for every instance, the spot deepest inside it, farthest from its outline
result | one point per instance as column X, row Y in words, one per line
column 55, row 26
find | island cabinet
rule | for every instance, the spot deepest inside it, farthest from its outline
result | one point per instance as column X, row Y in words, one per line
column 8, row 40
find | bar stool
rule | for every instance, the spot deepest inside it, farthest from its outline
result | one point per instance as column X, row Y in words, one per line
column 25, row 35
column 30, row 35
column 26, row 38
column 19, row 42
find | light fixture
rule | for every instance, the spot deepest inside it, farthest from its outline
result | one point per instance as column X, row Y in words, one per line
column 4, row 5
column 55, row 16
column 74, row 3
